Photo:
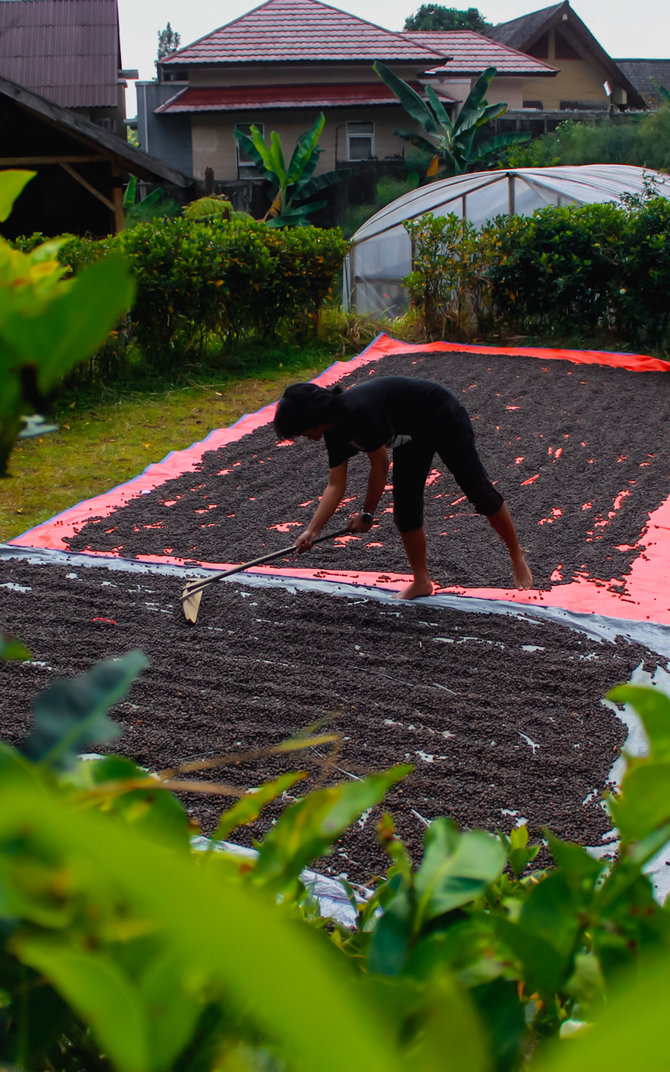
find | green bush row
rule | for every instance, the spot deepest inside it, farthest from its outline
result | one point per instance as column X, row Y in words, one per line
column 599, row 269
column 213, row 282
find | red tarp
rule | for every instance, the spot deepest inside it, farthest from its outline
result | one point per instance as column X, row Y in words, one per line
column 645, row 596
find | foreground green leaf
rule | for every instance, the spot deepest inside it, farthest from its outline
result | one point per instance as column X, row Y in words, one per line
column 309, row 827
column 71, row 716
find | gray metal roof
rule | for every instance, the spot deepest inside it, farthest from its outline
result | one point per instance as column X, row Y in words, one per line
column 66, row 50
column 519, row 32
column 647, row 76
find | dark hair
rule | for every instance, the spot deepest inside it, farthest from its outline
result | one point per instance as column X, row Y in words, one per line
column 305, row 405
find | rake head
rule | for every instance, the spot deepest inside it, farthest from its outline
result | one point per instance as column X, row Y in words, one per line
column 190, row 601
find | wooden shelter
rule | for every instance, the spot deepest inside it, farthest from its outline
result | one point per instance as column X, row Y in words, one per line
column 80, row 168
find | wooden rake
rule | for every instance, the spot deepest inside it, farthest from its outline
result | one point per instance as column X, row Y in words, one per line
column 192, row 593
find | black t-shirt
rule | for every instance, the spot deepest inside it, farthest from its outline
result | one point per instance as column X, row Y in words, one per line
column 379, row 411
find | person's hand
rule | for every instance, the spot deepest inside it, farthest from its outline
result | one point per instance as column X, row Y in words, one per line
column 305, row 541
column 523, row 578
column 357, row 524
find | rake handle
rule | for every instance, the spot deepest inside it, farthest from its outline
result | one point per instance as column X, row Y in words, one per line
column 193, row 588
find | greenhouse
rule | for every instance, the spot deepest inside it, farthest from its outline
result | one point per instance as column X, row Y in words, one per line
column 381, row 253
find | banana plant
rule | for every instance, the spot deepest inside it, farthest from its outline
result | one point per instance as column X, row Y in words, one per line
column 458, row 145
column 293, row 184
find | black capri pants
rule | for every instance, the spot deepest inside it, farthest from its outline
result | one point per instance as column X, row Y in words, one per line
column 451, row 436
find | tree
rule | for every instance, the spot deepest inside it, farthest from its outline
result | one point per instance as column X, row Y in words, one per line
column 168, row 41
column 293, row 185
column 458, row 145
column 438, row 17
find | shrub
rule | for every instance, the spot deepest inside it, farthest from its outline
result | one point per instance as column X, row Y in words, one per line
column 448, row 275
column 576, row 271
column 553, row 271
column 218, row 279
column 121, row 948
column 642, row 307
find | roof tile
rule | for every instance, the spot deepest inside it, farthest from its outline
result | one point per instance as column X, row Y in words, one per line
column 470, row 52
column 309, row 95
column 298, row 31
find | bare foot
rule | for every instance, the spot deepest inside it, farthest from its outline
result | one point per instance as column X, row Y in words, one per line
column 523, row 578
column 416, row 589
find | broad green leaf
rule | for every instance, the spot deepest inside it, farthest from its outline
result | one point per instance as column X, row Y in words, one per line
column 543, row 968
column 627, row 1035
column 417, row 140
column 578, row 868
column 248, row 808
column 392, row 936
column 323, row 182
column 289, row 978
column 309, row 827
column 305, row 151
column 456, row 869
column 475, row 98
column 74, row 323
column 502, row 1020
column 100, row 993
column 11, row 185
column 71, row 716
column 439, row 109
column 653, row 707
column 173, row 1000
column 551, row 912
column 276, row 157
column 450, row 1034
column 520, row 854
column 546, row 935
column 130, row 193
column 408, row 97
column 644, row 801
column 12, row 649
column 258, row 155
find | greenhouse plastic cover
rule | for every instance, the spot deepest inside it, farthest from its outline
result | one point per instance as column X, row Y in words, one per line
column 381, row 252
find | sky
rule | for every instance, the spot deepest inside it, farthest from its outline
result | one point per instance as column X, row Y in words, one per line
column 625, row 30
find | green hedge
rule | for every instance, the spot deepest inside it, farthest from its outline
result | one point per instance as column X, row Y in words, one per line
column 586, row 270
column 215, row 282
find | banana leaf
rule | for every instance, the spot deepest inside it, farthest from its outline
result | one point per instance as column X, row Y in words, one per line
column 409, row 98
column 306, row 153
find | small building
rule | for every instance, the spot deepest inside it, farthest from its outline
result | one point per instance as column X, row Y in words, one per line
column 286, row 61
column 80, row 167
column 588, row 79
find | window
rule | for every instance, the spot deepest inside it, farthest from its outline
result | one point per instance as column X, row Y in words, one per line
column 245, row 164
column 360, row 140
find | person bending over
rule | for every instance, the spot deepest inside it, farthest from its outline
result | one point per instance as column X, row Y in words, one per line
column 416, row 419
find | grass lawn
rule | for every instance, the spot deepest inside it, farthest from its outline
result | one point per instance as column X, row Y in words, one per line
column 100, row 446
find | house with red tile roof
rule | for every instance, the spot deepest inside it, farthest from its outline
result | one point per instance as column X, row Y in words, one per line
column 281, row 64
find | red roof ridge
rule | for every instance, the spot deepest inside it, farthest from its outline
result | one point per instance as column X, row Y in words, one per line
column 343, row 37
